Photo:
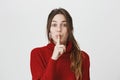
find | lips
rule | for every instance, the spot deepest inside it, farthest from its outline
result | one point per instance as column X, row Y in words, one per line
column 58, row 35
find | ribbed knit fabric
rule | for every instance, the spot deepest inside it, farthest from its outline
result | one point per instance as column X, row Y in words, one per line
column 45, row 68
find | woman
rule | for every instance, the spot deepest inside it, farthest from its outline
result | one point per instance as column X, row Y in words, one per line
column 61, row 58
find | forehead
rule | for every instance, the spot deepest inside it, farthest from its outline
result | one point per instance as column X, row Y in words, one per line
column 59, row 17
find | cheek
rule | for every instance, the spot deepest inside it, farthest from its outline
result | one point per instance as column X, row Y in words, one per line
column 52, row 32
column 65, row 31
column 65, row 34
column 52, row 35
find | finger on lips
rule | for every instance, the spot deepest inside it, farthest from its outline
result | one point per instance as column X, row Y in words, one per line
column 61, row 48
column 58, row 40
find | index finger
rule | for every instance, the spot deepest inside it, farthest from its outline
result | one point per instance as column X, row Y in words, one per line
column 58, row 40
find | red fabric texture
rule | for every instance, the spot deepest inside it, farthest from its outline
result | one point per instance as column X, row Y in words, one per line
column 45, row 68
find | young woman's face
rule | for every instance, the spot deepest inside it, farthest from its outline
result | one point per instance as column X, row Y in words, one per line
column 59, row 28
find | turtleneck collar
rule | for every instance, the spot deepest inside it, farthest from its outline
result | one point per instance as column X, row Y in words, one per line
column 51, row 46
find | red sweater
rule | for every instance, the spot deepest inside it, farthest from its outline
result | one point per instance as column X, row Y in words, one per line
column 45, row 68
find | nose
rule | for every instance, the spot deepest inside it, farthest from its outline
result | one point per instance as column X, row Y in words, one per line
column 59, row 28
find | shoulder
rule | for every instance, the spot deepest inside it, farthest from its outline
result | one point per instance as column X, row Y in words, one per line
column 85, row 55
column 35, row 50
column 85, row 59
column 38, row 50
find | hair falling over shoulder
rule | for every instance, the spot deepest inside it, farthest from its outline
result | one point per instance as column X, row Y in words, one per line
column 76, row 60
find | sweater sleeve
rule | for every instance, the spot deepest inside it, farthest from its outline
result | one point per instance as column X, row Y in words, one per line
column 85, row 67
column 39, row 70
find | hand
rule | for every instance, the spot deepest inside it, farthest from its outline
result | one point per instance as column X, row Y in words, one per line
column 58, row 50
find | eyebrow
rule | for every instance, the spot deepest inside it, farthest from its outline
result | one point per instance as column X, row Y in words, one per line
column 56, row 21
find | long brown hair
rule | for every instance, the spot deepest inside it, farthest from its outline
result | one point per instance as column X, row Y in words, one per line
column 75, row 56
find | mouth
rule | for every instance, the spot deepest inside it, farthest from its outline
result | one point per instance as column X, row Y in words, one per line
column 59, row 36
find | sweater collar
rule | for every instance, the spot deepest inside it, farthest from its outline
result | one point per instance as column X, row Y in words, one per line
column 51, row 46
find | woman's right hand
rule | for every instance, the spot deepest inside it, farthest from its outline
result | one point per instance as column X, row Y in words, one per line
column 58, row 50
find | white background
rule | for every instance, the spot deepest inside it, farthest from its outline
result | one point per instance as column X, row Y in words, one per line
column 96, row 28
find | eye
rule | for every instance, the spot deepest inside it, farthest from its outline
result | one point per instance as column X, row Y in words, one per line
column 53, row 24
column 64, row 25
